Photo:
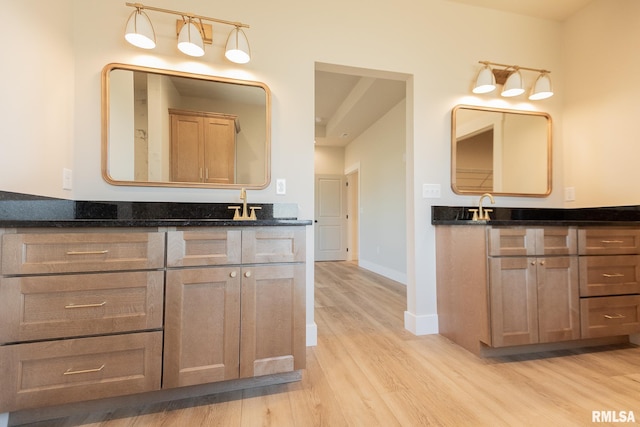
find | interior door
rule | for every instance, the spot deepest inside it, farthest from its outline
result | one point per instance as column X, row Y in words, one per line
column 330, row 218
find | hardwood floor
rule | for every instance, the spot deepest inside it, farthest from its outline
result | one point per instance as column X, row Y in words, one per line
column 367, row 370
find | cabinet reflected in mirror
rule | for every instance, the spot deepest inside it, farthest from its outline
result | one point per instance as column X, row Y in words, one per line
column 169, row 128
column 499, row 151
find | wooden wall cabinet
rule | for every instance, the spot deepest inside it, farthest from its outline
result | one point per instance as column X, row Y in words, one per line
column 240, row 313
column 203, row 147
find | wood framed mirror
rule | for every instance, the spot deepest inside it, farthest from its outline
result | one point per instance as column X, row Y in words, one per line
column 176, row 129
column 500, row 151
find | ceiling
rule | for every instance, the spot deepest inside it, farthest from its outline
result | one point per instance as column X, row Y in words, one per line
column 347, row 104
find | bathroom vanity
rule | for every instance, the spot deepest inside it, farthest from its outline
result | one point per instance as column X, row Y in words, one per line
column 537, row 279
column 145, row 300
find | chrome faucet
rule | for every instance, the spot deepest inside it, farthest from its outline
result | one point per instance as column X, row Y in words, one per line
column 484, row 213
column 244, row 216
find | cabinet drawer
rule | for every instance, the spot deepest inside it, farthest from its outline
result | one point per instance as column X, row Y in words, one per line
column 522, row 241
column 610, row 316
column 56, row 372
column 273, row 244
column 609, row 241
column 42, row 253
column 43, row 307
column 609, row 275
column 189, row 248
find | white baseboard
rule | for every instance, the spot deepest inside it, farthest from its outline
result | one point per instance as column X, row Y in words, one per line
column 421, row 325
column 384, row 271
column 4, row 419
column 312, row 334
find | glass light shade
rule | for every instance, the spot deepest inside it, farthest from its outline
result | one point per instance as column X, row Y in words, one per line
column 190, row 40
column 485, row 82
column 513, row 85
column 541, row 88
column 139, row 31
column 237, row 49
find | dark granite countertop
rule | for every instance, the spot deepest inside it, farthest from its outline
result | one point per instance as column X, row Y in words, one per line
column 613, row 215
column 23, row 210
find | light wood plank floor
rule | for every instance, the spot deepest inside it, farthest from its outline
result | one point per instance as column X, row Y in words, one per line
column 368, row 371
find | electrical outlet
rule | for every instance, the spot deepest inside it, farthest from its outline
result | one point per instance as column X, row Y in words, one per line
column 67, row 179
column 281, row 186
column 430, row 191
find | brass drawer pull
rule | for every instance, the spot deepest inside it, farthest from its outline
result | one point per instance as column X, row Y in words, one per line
column 611, row 241
column 101, row 304
column 615, row 316
column 106, row 251
column 83, row 371
column 613, row 275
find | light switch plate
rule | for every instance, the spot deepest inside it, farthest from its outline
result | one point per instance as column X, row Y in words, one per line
column 281, row 186
column 430, row 191
column 569, row 194
column 67, row 179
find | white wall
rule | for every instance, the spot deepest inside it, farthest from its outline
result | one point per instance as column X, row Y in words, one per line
column 329, row 160
column 54, row 114
column 602, row 112
column 380, row 154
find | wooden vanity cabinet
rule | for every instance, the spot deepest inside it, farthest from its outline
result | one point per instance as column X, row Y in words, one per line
column 238, row 310
column 609, row 281
column 533, row 285
column 80, row 315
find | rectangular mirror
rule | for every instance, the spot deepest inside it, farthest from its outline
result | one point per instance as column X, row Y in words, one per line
column 175, row 129
column 499, row 151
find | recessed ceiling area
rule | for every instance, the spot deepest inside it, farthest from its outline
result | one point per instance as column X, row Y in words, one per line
column 348, row 104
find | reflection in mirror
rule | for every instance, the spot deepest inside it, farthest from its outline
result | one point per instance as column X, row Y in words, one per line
column 503, row 152
column 168, row 128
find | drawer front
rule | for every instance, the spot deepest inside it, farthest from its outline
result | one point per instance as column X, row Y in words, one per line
column 189, row 248
column 44, row 307
column 610, row 316
column 57, row 372
column 609, row 241
column 609, row 275
column 273, row 244
column 512, row 241
column 43, row 253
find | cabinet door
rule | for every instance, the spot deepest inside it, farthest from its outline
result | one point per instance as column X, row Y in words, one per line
column 262, row 245
column 219, row 150
column 273, row 319
column 187, row 149
column 513, row 297
column 202, row 326
column 558, row 299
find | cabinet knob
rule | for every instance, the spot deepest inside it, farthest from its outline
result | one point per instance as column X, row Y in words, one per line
column 541, row 262
column 233, row 274
column 533, row 263
column 247, row 274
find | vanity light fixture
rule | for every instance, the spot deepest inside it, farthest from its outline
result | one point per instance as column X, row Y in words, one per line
column 193, row 33
column 510, row 77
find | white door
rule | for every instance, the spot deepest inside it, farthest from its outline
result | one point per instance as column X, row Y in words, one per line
column 330, row 218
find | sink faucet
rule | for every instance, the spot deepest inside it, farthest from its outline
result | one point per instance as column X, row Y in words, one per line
column 244, row 216
column 484, row 213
